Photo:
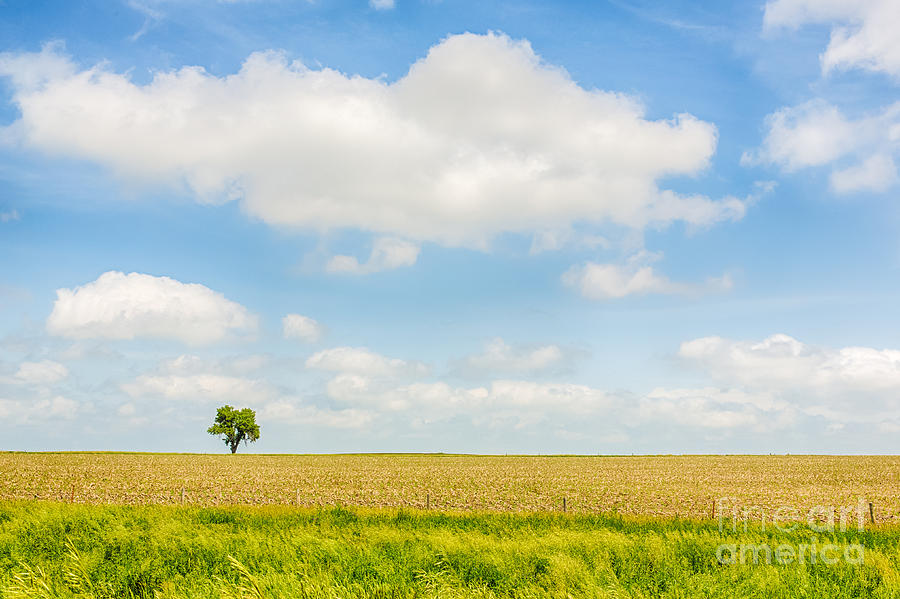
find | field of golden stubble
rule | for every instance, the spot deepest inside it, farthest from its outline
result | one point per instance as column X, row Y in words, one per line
column 657, row 486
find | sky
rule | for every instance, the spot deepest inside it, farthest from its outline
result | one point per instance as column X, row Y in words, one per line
column 599, row 227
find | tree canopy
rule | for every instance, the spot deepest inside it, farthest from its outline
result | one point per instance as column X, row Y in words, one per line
column 235, row 426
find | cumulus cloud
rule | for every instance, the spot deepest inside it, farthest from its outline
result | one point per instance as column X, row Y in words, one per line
column 197, row 380
column 392, row 396
column 480, row 137
column 192, row 378
column 192, row 364
column 36, row 412
column 296, row 413
column 120, row 306
column 610, row 281
column 382, row 4
column 780, row 361
column 757, row 387
column 556, row 239
column 204, row 387
column 875, row 173
column 388, row 386
column 304, row 328
column 523, row 402
column 501, row 357
column 520, row 404
column 863, row 32
column 30, row 71
column 861, row 151
column 613, row 281
column 713, row 408
column 9, row 216
column 570, row 397
column 810, row 134
column 851, row 384
column 45, row 372
column 387, row 253
column 359, row 360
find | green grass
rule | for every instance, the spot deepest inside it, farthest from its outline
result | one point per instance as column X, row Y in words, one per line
column 60, row 550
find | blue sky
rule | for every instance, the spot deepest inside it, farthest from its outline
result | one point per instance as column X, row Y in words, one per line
column 581, row 227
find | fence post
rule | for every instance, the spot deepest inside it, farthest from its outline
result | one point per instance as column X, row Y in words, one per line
column 872, row 512
column 72, row 494
column 564, row 504
column 427, row 501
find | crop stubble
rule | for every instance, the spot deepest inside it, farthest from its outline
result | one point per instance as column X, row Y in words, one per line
column 656, row 486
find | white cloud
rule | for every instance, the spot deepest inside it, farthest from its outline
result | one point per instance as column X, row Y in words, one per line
column 522, row 402
column 812, row 134
column 190, row 378
column 193, row 378
column 817, row 133
column 295, row 413
column 555, row 239
column 191, row 364
column 10, row 216
column 518, row 403
column 876, row 173
column 382, row 4
column 359, row 360
column 90, row 349
column 567, row 397
column 863, row 151
column 205, row 387
column 45, row 372
column 713, row 408
column 696, row 411
column 31, row 71
column 120, row 306
column 363, row 390
column 29, row 412
column 613, row 281
column 780, row 361
column 387, row 253
column 762, row 387
column 500, row 357
column 852, row 384
column 609, row 281
column 185, row 363
column 296, row 326
column 480, row 137
column 863, row 34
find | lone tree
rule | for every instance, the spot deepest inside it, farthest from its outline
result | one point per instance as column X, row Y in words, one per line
column 235, row 426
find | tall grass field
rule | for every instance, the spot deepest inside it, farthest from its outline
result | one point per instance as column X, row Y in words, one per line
column 92, row 551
